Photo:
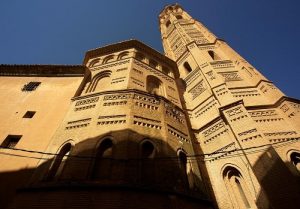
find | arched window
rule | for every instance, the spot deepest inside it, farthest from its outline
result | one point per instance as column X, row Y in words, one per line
column 187, row 68
column 94, row 62
column 100, row 82
column 182, row 160
column 123, row 55
column 147, row 162
column 153, row 63
column 168, row 71
column 154, row 85
column 168, row 23
column 295, row 159
column 108, row 59
column 178, row 17
column 236, row 186
column 59, row 161
column 213, row 55
column 140, row 56
column 147, row 150
column 103, row 161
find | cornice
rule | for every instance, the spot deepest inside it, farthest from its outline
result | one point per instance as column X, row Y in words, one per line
column 127, row 45
column 42, row 70
column 276, row 104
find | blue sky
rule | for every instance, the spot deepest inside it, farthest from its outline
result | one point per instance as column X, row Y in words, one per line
column 266, row 33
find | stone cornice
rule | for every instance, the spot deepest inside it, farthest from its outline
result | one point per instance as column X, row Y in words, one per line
column 124, row 91
column 42, row 70
column 127, row 45
column 276, row 104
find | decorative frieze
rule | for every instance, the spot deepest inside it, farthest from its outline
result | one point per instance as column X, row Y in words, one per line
column 206, row 106
column 118, row 80
column 111, row 122
column 111, row 119
column 87, row 101
column 138, row 71
column 192, row 76
column 231, row 76
column 152, row 70
column 106, row 66
column 121, row 69
column 268, row 120
column 146, row 122
column 261, row 113
column 146, row 99
column 197, row 89
column 147, row 106
column 137, row 82
column 213, row 129
column 78, row 123
column 281, row 133
column 174, row 113
column 222, row 64
column 216, row 135
column 211, row 75
column 114, row 103
column 221, row 90
column 245, row 93
column 177, row 133
column 84, row 107
column 116, row 97
column 222, row 152
column 236, row 113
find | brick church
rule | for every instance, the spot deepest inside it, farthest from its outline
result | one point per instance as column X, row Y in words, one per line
column 198, row 127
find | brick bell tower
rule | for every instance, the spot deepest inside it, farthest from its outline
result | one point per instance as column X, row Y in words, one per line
column 247, row 129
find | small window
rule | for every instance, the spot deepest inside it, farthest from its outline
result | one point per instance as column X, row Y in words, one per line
column 139, row 56
column 213, row 55
column 29, row 114
column 31, row 86
column 168, row 23
column 153, row 63
column 187, row 67
column 11, row 141
column 178, row 17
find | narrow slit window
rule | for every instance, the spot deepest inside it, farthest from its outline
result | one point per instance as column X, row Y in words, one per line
column 29, row 114
column 11, row 141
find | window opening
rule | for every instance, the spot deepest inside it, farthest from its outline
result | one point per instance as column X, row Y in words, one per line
column 147, row 150
column 153, row 63
column 31, row 86
column 168, row 23
column 29, row 114
column 59, row 161
column 213, row 55
column 102, row 166
column 187, row 67
column 11, row 141
column 178, row 17
column 154, row 86
column 295, row 158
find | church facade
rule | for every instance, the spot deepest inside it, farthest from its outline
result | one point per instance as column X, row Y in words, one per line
column 198, row 127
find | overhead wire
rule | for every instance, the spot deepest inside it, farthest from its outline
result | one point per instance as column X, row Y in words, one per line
column 199, row 157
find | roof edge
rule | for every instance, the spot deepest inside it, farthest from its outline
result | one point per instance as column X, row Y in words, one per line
column 42, row 70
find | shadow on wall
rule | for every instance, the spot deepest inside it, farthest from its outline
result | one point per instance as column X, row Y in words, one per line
column 279, row 184
column 122, row 163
